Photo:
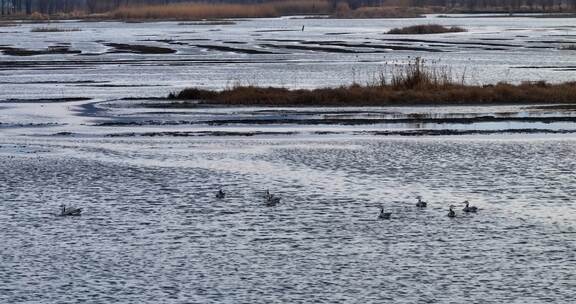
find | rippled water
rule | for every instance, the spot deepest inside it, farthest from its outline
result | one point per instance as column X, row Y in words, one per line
column 152, row 231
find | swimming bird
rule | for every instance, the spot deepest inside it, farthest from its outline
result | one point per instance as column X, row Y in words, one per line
column 421, row 203
column 469, row 208
column 70, row 211
column 221, row 194
column 272, row 200
column 451, row 212
column 384, row 215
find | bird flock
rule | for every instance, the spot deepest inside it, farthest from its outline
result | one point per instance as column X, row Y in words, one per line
column 272, row 200
column 422, row 204
column 467, row 209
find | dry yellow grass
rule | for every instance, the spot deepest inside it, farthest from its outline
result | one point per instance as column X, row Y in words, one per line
column 197, row 11
column 344, row 11
column 53, row 29
column 426, row 29
column 357, row 95
column 414, row 83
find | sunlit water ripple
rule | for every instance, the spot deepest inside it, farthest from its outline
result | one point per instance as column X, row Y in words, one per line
column 152, row 231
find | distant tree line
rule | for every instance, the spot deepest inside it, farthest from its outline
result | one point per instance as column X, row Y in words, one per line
column 11, row 7
column 499, row 5
column 49, row 7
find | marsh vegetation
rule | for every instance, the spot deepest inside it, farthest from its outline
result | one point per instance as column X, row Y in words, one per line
column 53, row 29
column 414, row 83
column 426, row 29
column 199, row 11
column 568, row 47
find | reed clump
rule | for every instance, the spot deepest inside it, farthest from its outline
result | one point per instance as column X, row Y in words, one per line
column 426, row 29
column 568, row 47
column 414, row 84
column 51, row 29
column 209, row 22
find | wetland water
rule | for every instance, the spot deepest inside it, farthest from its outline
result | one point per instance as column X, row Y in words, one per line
column 152, row 230
column 106, row 59
column 146, row 176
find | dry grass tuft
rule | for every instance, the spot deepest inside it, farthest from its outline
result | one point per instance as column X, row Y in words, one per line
column 357, row 95
column 49, row 29
column 412, row 84
column 569, row 47
column 208, row 23
column 51, row 50
column 426, row 29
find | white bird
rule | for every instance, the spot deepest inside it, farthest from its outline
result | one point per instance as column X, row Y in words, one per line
column 70, row 211
column 469, row 208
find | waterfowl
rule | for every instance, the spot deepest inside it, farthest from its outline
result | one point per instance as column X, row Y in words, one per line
column 272, row 200
column 469, row 208
column 221, row 194
column 70, row 211
column 421, row 203
column 384, row 215
column 451, row 212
